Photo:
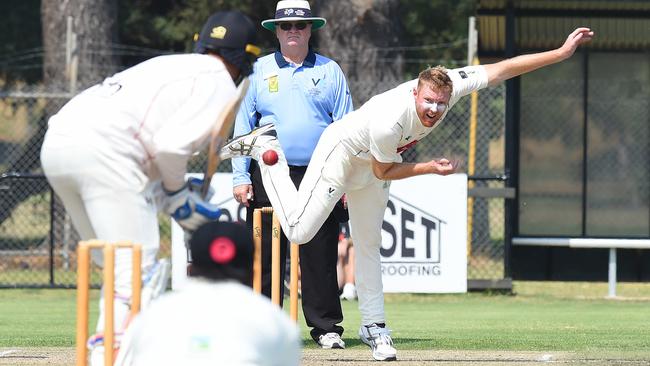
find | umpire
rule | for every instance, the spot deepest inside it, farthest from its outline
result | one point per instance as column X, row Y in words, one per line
column 301, row 92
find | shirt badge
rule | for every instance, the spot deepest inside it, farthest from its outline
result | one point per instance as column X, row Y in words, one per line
column 274, row 85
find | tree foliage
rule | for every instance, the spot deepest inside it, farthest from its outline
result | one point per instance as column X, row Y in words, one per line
column 421, row 32
column 435, row 32
column 170, row 25
column 20, row 40
column 429, row 31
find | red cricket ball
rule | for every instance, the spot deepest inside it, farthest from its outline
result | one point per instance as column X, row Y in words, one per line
column 270, row 157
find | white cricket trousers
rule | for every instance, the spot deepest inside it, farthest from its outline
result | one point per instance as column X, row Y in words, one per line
column 103, row 198
column 332, row 172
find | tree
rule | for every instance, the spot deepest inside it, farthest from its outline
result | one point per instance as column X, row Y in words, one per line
column 169, row 25
column 94, row 32
column 363, row 37
column 94, row 24
column 435, row 33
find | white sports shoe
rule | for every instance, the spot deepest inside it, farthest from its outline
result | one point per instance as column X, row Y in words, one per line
column 349, row 292
column 155, row 281
column 331, row 340
column 253, row 144
column 379, row 340
column 95, row 345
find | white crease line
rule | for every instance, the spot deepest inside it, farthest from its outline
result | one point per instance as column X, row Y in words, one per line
column 6, row 353
column 546, row 358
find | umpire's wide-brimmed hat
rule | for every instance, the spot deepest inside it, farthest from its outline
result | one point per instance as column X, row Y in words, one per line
column 222, row 251
column 293, row 11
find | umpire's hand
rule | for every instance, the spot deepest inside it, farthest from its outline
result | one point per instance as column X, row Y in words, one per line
column 243, row 193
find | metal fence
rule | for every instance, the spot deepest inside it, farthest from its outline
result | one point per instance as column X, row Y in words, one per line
column 599, row 129
column 38, row 242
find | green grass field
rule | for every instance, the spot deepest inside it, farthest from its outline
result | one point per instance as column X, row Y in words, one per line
column 540, row 316
column 568, row 323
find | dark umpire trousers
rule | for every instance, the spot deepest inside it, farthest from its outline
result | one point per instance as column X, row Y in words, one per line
column 320, row 298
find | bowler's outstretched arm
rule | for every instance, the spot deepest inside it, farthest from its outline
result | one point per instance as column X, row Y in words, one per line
column 506, row 69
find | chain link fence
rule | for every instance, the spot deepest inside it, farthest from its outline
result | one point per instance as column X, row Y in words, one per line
column 38, row 242
column 585, row 148
column 486, row 220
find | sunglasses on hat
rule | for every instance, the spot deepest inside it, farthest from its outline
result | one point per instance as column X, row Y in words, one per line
column 286, row 26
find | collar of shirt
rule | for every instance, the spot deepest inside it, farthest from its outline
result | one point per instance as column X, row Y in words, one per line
column 309, row 61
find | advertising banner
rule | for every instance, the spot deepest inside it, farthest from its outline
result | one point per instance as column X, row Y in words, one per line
column 424, row 234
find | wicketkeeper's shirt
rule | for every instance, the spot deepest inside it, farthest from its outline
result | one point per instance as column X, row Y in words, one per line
column 387, row 124
column 211, row 324
column 301, row 100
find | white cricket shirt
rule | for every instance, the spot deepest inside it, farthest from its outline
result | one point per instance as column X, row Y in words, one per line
column 208, row 323
column 387, row 124
column 154, row 115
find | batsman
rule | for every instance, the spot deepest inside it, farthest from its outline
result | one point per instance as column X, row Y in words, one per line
column 360, row 155
column 117, row 152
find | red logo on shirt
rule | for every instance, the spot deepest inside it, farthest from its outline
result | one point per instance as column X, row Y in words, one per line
column 407, row 146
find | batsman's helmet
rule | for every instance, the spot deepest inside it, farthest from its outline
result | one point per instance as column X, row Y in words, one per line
column 230, row 34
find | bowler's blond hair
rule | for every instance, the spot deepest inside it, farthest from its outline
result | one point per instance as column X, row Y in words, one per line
column 435, row 78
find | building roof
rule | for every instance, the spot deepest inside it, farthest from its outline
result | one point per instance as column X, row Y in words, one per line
column 542, row 24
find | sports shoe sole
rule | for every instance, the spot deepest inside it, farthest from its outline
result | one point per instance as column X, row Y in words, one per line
column 237, row 148
column 333, row 346
column 381, row 358
column 375, row 356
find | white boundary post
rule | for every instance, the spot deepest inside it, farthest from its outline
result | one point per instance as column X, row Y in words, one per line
column 612, row 244
column 612, row 273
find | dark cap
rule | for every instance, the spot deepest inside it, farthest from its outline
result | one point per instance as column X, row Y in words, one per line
column 222, row 251
column 231, row 34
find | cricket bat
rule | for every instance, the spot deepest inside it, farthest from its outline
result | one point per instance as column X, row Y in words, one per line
column 220, row 133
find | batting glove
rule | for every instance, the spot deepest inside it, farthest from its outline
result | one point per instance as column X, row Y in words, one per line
column 188, row 208
column 195, row 186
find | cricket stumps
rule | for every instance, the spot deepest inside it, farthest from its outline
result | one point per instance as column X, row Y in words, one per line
column 83, row 293
column 276, row 281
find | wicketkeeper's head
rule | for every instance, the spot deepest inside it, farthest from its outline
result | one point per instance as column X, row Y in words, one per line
column 222, row 251
column 231, row 35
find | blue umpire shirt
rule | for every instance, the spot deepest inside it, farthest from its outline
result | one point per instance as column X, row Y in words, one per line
column 301, row 101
